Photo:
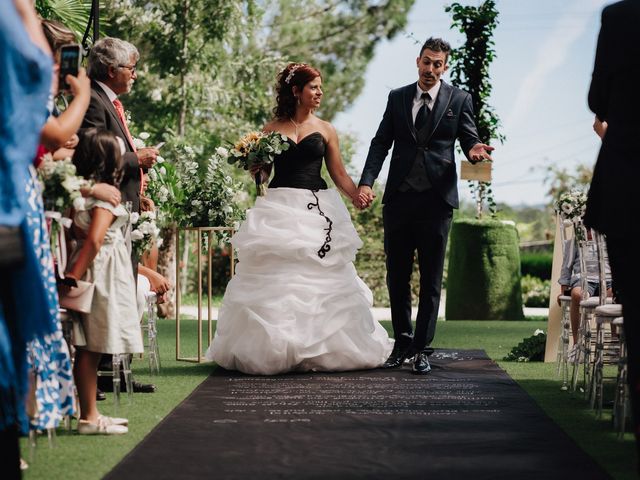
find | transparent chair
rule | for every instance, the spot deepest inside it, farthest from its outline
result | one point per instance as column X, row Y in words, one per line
column 121, row 368
column 621, row 407
column 587, row 250
column 606, row 348
column 150, row 326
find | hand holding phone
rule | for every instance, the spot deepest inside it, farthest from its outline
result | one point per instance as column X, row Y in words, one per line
column 70, row 58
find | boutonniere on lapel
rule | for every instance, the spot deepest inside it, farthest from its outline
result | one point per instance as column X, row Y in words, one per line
column 450, row 114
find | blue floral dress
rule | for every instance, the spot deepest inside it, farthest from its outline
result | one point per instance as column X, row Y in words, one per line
column 48, row 355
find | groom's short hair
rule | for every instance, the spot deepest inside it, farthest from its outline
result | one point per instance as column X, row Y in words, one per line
column 437, row 45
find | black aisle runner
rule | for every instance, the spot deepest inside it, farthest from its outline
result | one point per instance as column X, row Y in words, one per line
column 466, row 420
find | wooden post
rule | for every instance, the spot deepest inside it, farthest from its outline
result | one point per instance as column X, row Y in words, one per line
column 554, row 327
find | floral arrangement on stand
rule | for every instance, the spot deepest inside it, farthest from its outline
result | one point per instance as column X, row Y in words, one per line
column 256, row 151
column 572, row 205
column 191, row 190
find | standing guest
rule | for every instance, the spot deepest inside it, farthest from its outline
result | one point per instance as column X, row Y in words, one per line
column 112, row 68
column 101, row 257
column 422, row 121
column 24, row 83
column 612, row 205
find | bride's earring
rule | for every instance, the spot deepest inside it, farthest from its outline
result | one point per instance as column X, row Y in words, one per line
column 299, row 102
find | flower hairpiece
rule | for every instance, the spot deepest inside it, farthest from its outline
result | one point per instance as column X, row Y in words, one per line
column 292, row 71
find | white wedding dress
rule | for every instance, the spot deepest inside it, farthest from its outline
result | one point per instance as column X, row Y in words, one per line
column 296, row 302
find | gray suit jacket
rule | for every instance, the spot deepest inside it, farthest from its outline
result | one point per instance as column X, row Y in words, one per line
column 452, row 117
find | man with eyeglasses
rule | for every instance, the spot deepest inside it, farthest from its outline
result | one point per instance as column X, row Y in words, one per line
column 112, row 69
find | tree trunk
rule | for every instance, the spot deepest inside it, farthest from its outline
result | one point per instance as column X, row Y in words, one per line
column 183, row 70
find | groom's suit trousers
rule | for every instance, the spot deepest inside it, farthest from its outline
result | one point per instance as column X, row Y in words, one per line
column 415, row 222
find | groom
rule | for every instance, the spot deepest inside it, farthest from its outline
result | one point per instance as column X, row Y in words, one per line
column 422, row 121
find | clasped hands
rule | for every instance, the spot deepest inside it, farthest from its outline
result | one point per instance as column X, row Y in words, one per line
column 363, row 197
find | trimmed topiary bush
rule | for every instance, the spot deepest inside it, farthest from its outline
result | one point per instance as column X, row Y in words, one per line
column 484, row 271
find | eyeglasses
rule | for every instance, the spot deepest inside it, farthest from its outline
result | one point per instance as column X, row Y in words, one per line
column 129, row 67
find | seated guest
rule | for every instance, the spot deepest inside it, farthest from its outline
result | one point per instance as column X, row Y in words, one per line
column 570, row 283
column 101, row 257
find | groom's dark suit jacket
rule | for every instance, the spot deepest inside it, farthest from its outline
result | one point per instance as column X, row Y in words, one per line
column 451, row 118
column 102, row 114
column 614, row 96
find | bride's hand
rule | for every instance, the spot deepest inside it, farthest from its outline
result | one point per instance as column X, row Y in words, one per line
column 265, row 172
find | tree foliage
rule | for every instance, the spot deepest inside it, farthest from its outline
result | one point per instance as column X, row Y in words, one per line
column 208, row 67
column 470, row 71
column 72, row 13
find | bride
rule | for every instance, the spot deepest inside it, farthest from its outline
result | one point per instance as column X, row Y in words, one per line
column 296, row 302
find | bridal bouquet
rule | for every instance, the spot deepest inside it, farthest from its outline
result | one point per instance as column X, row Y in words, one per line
column 256, row 151
column 145, row 232
column 572, row 205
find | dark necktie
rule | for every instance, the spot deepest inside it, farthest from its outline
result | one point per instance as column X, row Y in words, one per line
column 423, row 113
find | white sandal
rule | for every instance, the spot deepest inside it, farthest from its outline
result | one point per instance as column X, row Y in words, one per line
column 103, row 427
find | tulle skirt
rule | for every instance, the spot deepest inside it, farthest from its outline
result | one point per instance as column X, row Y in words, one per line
column 296, row 302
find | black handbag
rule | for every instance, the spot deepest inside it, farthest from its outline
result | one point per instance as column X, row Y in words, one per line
column 12, row 250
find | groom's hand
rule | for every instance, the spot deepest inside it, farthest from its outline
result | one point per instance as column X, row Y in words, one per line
column 480, row 152
column 365, row 196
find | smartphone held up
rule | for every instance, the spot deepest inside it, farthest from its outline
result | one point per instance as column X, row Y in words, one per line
column 70, row 58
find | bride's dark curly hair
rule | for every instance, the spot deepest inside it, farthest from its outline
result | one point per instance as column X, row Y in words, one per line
column 298, row 74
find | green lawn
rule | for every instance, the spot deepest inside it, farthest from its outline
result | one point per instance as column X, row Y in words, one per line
column 76, row 457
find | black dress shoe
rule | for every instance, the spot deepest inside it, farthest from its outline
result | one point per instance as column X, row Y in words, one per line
column 100, row 395
column 421, row 364
column 142, row 387
column 106, row 384
column 397, row 357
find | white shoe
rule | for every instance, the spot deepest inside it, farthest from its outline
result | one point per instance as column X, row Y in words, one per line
column 100, row 428
column 114, row 420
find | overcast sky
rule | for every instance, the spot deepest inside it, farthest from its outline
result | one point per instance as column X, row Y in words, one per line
column 540, row 77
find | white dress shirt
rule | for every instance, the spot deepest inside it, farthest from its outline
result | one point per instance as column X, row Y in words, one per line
column 418, row 101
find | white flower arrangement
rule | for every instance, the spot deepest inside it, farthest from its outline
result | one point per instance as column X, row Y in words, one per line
column 572, row 205
column 60, row 184
column 145, row 232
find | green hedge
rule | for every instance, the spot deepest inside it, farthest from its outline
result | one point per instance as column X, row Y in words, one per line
column 484, row 271
column 536, row 264
column 535, row 292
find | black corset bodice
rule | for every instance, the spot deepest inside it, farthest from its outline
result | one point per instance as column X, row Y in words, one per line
column 300, row 165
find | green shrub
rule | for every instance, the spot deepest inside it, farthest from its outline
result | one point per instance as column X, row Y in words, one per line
column 531, row 349
column 535, row 292
column 537, row 264
column 484, row 271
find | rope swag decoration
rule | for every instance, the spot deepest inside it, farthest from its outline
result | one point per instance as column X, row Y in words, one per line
column 325, row 246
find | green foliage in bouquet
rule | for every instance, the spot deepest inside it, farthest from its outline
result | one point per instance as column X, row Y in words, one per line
column 531, row 349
